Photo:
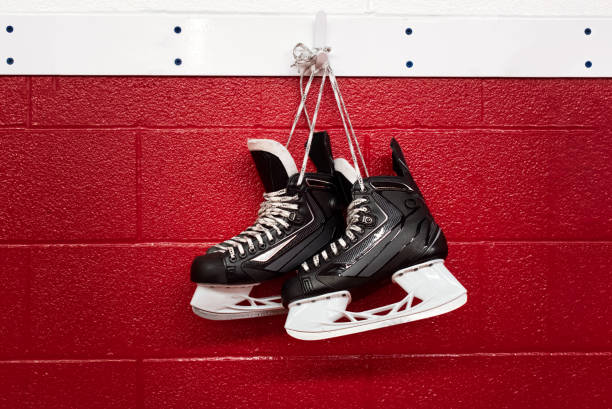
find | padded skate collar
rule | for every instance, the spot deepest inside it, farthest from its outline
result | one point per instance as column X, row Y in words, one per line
column 342, row 166
column 273, row 161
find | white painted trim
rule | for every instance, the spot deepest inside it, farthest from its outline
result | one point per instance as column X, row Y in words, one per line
column 277, row 149
column 259, row 44
column 572, row 8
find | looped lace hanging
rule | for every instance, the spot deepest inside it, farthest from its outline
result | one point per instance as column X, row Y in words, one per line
column 344, row 115
column 306, row 62
column 314, row 61
column 305, row 57
column 278, row 207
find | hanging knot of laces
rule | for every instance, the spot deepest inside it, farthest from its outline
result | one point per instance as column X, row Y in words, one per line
column 311, row 61
column 305, row 58
column 275, row 212
column 357, row 215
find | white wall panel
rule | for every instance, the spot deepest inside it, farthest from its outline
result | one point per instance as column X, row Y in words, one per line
column 368, row 38
column 183, row 6
column 262, row 45
column 542, row 8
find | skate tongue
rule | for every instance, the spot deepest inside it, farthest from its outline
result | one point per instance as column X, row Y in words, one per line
column 399, row 165
column 273, row 162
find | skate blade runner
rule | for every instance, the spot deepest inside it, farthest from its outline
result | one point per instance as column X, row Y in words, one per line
column 343, row 233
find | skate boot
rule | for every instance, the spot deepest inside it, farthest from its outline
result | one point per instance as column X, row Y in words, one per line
column 390, row 233
column 295, row 221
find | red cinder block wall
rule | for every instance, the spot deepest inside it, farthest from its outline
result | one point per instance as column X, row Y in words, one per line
column 110, row 186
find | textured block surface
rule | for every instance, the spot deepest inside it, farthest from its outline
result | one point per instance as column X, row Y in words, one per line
column 210, row 101
column 67, row 185
column 85, row 301
column 69, row 384
column 126, row 301
column 14, row 97
column 14, row 320
column 407, row 381
column 110, row 186
column 379, row 102
column 514, row 184
column 203, row 185
column 550, row 101
column 144, row 101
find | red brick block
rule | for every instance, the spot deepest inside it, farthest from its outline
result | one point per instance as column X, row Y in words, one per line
column 144, row 101
column 578, row 303
column 504, row 381
column 378, row 102
column 67, row 185
column 547, row 102
column 69, row 384
column 14, row 320
column 272, row 102
column 203, row 185
column 13, row 385
column 499, row 185
column 14, row 97
column 86, row 301
column 126, row 301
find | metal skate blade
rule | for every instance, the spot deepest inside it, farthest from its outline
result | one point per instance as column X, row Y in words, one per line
column 230, row 302
column 218, row 316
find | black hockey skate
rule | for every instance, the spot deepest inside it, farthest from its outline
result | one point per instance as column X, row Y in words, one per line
column 390, row 233
column 296, row 220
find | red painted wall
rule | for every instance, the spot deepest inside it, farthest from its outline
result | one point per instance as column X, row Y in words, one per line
column 110, row 186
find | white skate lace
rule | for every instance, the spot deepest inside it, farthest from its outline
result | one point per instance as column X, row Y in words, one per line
column 275, row 212
column 277, row 205
column 355, row 213
column 307, row 60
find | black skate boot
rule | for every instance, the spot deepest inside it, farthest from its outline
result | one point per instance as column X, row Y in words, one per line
column 390, row 233
column 295, row 222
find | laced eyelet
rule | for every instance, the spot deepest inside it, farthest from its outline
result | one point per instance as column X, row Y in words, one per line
column 233, row 259
column 262, row 246
column 252, row 250
column 243, row 256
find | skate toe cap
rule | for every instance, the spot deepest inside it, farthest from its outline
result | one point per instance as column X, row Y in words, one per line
column 209, row 268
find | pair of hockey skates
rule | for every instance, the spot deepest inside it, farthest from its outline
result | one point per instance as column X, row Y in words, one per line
column 343, row 233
